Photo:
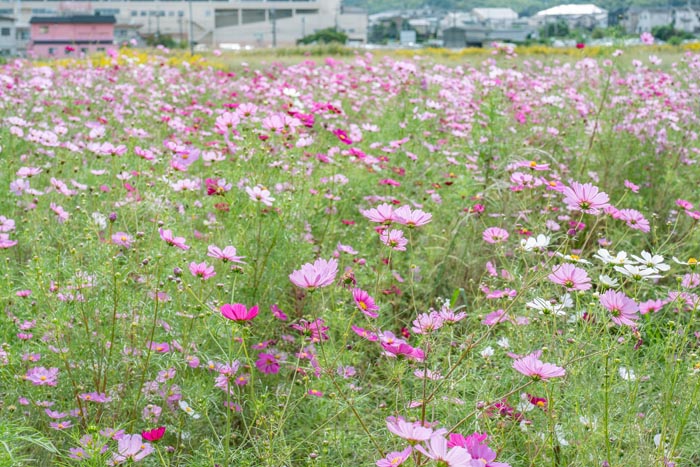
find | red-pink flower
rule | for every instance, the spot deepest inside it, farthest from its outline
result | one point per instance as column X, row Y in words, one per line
column 267, row 363
column 154, row 434
column 342, row 136
column 533, row 367
column 312, row 276
column 622, row 308
column 571, row 277
column 239, row 312
column 170, row 239
column 365, row 303
column 585, row 197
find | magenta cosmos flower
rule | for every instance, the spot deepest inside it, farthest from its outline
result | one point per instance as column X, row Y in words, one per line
column 623, row 309
column 168, row 237
column 495, row 235
column 571, row 277
column 154, row 434
column 533, row 367
column 313, row 276
column 585, row 198
column 239, row 312
column 365, row 303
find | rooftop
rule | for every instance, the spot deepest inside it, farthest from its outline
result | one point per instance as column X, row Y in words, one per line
column 572, row 10
column 78, row 19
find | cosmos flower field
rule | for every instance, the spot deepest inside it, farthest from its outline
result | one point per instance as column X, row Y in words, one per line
column 350, row 262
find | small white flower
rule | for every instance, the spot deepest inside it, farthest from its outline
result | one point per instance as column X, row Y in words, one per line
column 627, row 374
column 487, row 352
column 100, row 220
column 605, row 256
column 503, row 343
column 637, row 272
column 591, row 424
column 573, row 258
column 692, row 262
column 559, row 432
column 535, row 243
column 608, row 281
column 655, row 262
column 185, row 407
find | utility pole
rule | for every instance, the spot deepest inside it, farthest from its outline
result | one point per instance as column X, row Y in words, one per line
column 190, row 35
column 274, row 27
column 303, row 27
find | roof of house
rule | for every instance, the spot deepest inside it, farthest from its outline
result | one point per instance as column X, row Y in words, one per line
column 572, row 10
column 495, row 13
column 77, row 19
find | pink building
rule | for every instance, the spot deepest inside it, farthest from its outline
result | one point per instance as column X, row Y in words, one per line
column 62, row 36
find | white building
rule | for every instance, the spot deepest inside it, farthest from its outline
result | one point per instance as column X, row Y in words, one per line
column 586, row 16
column 246, row 22
column 495, row 17
column 643, row 19
column 8, row 36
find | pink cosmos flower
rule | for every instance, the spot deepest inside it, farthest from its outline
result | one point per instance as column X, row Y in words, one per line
column 365, row 303
column 131, row 447
column 261, row 194
column 651, row 306
column 570, row 276
column 647, row 38
column 5, row 241
column 383, row 214
column 585, row 198
column 410, row 431
column 239, row 312
column 364, row 333
column 412, row 218
column 440, row 453
column 495, row 235
column 313, row 276
column 40, row 376
column 533, row 367
column 396, row 458
column 122, row 239
column 634, row 219
column 61, row 425
column 267, row 363
column 394, row 238
column 342, row 136
column 202, row 270
column 61, row 214
column 622, row 308
column 425, row 323
column 228, row 254
column 170, row 239
column 96, row 397
column 278, row 313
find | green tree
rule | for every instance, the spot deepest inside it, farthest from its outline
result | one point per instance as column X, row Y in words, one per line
column 324, row 36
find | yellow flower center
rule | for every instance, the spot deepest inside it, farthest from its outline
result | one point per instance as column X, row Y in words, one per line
column 533, row 164
column 575, row 257
column 692, row 261
column 363, row 305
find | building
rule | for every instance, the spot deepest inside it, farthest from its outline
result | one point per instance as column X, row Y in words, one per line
column 61, row 36
column 482, row 26
column 643, row 19
column 495, row 17
column 8, row 36
column 213, row 22
column 586, row 16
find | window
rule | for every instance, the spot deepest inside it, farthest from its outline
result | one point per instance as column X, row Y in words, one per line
column 5, row 31
column 134, row 13
column 83, row 50
column 43, row 30
column 52, row 51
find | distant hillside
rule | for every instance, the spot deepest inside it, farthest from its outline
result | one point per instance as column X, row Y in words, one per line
column 524, row 7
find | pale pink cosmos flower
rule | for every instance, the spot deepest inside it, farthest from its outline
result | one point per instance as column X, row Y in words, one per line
column 5, row 241
column 170, row 239
column 622, row 308
column 261, row 194
column 202, row 270
column 225, row 255
column 585, row 198
column 312, row 276
column 40, row 376
column 61, row 214
column 425, row 323
column 647, row 38
column 410, row 431
column 495, row 235
column 396, row 458
column 6, row 224
column 411, row 218
column 440, row 453
column 384, row 214
column 533, row 367
column 394, row 238
column 131, row 447
column 634, row 219
column 122, row 239
column 570, row 276
column 365, row 303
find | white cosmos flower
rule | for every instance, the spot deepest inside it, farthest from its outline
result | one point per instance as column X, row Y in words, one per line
column 637, row 272
column 487, row 352
column 573, row 258
column 535, row 243
column 187, row 409
column 608, row 281
column 655, row 262
column 605, row 256
column 627, row 374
